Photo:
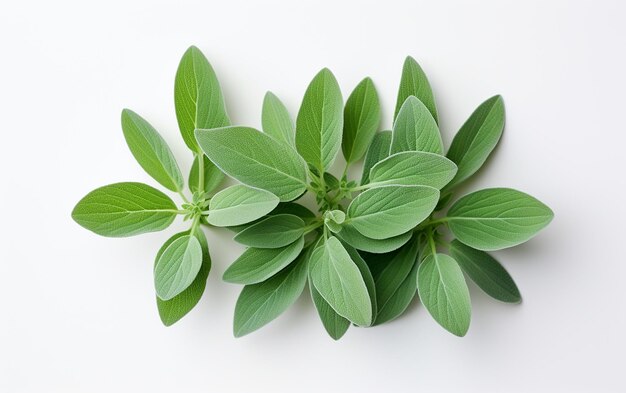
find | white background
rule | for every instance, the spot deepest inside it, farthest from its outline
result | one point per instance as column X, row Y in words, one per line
column 77, row 311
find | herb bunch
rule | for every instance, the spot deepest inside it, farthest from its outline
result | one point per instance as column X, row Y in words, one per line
column 372, row 245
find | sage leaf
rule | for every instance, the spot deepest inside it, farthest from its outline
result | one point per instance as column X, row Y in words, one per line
column 443, row 291
column 338, row 279
column 197, row 97
column 171, row 311
column 497, row 218
column 177, row 266
column 361, row 118
column 413, row 168
column 293, row 208
column 334, row 324
column 388, row 211
column 272, row 232
column 477, row 138
column 255, row 159
column 151, row 151
column 124, row 209
column 366, row 274
column 486, row 272
column 414, row 83
column 240, row 204
column 399, row 302
column 212, row 178
column 350, row 235
column 276, row 120
column 320, row 121
column 377, row 151
column 415, row 129
column 259, row 264
column 259, row 304
column 390, row 280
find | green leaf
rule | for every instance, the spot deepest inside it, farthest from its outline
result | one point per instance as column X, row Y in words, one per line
column 486, row 272
column 255, row 159
column 415, row 129
column 151, row 151
column 124, row 209
column 477, row 138
column 384, row 212
column 293, row 208
column 335, row 325
column 392, row 279
column 272, row 232
column 320, row 121
column 198, row 97
column 239, row 204
column 413, row 168
column 259, row 264
column 339, row 281
column 261, row 303
column 379, row 246
column 366, row 274
column 177, row 266
column 361, row 120
column 213, row 177
column 443, row 290
column 497, row 218
column 276, row 120
column 171, row 311
column 415, row 83
column 378, row 150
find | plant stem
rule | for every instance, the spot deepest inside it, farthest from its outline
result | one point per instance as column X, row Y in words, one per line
column 201, row 172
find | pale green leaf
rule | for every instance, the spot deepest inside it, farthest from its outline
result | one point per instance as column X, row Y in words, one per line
column 486, row 272
column 497, row 218
column 414, row 83
column 197, row 97
column 377, row 151
column 361, row 120
column 388, row 211
column 276, row 120
column 443, row 291
column 366, row 274
column 261, row 303
column 177, row 266
column 213, row 177
column 255, row 159
column 320, row 121
column 477, row 138
column 415, row 129
column 338, row 279
column 171, row 311
column 272, row 232
column 124, row 209
column 378, row 246
column 413, row 168
column 151, row 151
column 240, row 204
column 259, row 264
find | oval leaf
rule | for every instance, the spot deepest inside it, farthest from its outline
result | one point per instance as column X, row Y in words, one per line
column 378, row 151
column 124, row 209
column 255, row 159
column 212, row 178
column 486, row 272
column 171, row 311
column 366, row 274
column 261, row 303
column 415, row 129
column 361, row 120
column 177, row 266
column 477, row 138
column 338, row 279
column 276, row 120
column 384, row 212
column 151, row 151
column 336, row 325
column 497, row 218
column 414, row 83
column 413, row 168
column 239, row 204
column 378, row 246
column 320, row 121
column 197, row 97
column 443, row 290
column 272, row 232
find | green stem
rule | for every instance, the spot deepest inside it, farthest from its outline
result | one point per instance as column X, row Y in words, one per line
column 194, row 225
column 180, row 192
column 201, row 172
column 431, row 241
